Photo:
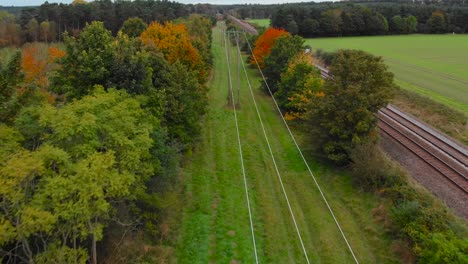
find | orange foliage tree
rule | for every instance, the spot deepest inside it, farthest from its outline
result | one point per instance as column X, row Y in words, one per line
column 174, row 42
column 36, row 67
column 264, row 43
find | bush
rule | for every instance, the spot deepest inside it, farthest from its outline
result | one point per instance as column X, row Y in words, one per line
column 371, row 169
column 435, row 234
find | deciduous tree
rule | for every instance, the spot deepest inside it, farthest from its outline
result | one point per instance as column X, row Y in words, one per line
column 345, row 115
column 299, row 83
column 87, row 61
column 33, row 29
column 174, row 42
column 437, row 22
column 276, row 62
column 133, row 27
column 264, row 43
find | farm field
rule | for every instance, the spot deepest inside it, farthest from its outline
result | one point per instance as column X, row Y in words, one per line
column 260, row 22
column 431, row 65
column 215, row 224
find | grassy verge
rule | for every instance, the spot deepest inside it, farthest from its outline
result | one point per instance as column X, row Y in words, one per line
column 445, row 119
column 214, row 222
column 260, row 22
column 431, row 65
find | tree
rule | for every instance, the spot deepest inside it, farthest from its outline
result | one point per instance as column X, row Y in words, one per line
column 185, row 104
column 10, row 77
column 310, row 27
column 398, row 25
column 33, row 29
column 174, row 42
column 87, row 61
column 276, row 62
column 263, row 45
column 411, row 24
column 10, row 32
column 376, row 23
column 345, row 116
column 348, row 27
column 131, row 69
column 199, row 29
column 331, row 22
column 299, row 83
column 35, row 74
column 45, row 31
column 437, row 22
column 292, row 27
column 95, row 152
column 133, row 27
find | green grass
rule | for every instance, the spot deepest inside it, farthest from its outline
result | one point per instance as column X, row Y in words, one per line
column 260, row 22
column 431, row 65
column 215, row 226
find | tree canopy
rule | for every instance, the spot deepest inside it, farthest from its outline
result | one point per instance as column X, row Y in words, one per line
column 262, row 46
column 345, row 116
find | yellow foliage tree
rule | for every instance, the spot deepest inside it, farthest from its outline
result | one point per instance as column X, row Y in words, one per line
column 299, row 85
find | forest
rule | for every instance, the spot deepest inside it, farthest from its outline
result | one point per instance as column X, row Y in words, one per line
column 48, row 21
column 363, row 18
column 90, row 125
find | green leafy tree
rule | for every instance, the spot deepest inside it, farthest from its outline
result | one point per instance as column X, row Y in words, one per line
column 96, row 151
column 87, row 62
column 45, row 31
column 331, row 22
column 199, row 29
column 133, row 27
column 276, row 62
column 292, row 27
column 411, row 24
column 32, row 29
column 131, row 69
column 310, row 27
column 345, row 115
column 10, row 78
column 298, row 84
column 397, row 24
column 10, row 32
column 185, row 103
column 437, row 23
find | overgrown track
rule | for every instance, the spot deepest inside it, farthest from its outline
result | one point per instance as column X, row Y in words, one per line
column 443, row 155
column 246, row 26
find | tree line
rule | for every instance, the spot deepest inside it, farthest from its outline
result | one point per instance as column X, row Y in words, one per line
column 358, row 18
column 49, row 21
column 90, row 132
column 338, row 117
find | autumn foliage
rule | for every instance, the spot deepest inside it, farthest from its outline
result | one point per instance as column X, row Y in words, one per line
column 37, row 62
column 174, row 42
column 264, row 43
column 300, row 84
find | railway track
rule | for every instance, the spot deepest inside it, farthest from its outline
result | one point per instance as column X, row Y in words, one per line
column 443, row 155
column 440, row 153
column 246, row 26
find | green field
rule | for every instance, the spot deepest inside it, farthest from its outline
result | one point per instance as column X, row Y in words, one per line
column 260, row 22
column 432, row 65
column 215, row 224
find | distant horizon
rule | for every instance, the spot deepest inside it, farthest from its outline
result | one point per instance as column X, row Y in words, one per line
column 20, row 3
